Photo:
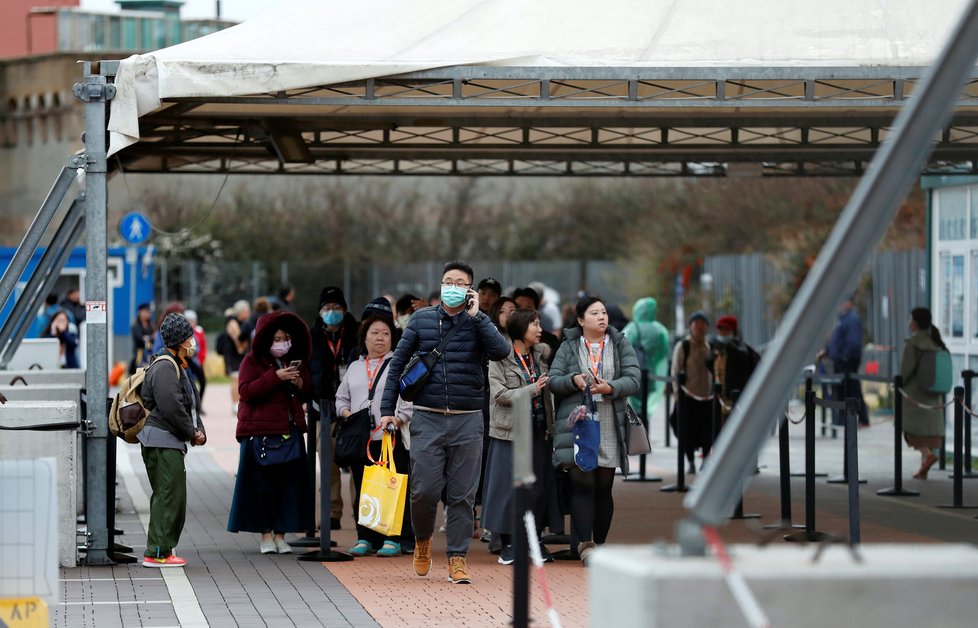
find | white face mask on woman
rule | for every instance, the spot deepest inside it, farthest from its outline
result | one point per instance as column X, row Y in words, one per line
column 280, row 348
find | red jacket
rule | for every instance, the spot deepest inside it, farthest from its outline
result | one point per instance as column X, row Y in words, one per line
column 266, row 401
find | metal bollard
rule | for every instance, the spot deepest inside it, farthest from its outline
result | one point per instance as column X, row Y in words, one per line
column 325, row 553
column 958, row 499
column 680, row 485
column 852, row 458
column 809, row 534
column 897, row 490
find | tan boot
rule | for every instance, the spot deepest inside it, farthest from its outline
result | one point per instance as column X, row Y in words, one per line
column 422, row 556
column 458, row 570
column 585, row 549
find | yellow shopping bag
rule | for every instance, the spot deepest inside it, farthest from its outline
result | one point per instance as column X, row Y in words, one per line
column 383, row 492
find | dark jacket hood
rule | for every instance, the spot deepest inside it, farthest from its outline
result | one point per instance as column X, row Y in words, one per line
column 269, row 323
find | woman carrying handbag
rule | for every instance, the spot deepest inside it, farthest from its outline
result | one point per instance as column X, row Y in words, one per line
column 362, row 389
column 273, row 382
column 598, row 356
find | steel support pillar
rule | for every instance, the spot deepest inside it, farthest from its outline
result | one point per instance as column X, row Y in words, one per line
column 96, row 91
column 859, row 229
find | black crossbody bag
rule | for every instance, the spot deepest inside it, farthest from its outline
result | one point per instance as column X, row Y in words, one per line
column 353, row 432
column 418, row 369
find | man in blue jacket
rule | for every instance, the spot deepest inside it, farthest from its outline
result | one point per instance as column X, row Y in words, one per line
column 446, row 429
column 845, row 350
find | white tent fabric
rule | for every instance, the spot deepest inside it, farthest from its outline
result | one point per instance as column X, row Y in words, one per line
column 304, row 43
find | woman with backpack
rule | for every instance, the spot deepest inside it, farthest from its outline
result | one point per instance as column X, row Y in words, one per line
column 923, row 416
column 173, row 421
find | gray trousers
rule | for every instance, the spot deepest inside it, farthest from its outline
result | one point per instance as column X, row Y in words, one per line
column 446, row 454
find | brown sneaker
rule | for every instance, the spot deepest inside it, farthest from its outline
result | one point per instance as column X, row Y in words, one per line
column 422, row 556
column 458, row 571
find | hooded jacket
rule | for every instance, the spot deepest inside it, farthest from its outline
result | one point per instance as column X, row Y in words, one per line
column 458, row 381
column 916, row 420
column 267, row 401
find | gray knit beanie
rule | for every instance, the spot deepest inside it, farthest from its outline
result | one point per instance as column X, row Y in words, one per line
column 175, row 329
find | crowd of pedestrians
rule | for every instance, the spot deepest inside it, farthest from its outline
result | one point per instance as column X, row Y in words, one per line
column 455, row 438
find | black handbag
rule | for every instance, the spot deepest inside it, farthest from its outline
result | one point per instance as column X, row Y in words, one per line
column 353, row 432
column 278, row 449
column 418, row 369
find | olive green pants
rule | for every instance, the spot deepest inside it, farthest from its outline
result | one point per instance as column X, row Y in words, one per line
column 168, row 504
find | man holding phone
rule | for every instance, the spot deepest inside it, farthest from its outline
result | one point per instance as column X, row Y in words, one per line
column 446, row 431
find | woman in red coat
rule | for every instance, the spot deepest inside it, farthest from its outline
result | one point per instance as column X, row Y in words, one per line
column 273, row 383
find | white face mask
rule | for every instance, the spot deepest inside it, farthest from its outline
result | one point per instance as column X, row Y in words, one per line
column 192, row 349
column 402, row 321
column 281, row 348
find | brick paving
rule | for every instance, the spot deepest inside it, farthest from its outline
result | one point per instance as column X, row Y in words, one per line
column 236, row 586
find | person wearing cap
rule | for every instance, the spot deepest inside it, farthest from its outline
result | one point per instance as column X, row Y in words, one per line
column 334, row 347
column 734, row 361
column 173, row 421
column 141, row 333
column 692, row 357
column 489, row 290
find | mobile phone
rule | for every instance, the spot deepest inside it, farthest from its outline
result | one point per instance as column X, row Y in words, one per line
column 294, row 364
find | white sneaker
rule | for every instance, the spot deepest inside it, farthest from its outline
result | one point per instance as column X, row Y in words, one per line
column 267, row 547
column 282, row 547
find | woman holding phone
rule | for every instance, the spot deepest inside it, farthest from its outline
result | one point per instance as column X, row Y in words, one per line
column 273, row 383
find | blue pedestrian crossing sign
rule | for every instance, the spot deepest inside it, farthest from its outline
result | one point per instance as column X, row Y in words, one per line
column 134, row 228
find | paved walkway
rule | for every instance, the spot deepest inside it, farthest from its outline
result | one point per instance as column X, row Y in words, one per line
column 228, row 583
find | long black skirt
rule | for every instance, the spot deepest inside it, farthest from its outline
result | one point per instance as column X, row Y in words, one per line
column 272, row 498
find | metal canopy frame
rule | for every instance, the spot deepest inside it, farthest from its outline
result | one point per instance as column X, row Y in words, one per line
column 543, row 121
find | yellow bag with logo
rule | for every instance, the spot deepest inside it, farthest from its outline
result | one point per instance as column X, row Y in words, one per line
column 383, row 492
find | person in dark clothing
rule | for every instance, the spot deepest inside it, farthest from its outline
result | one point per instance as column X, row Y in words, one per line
column 334, row 347
column 489, row 290
column 61, row 327
column 173, row 421
column 141, row 333
column 446, row 429
column 734, row 361
column 271, row 499
column 73, row 305
column 845, row 351
column 529, row 298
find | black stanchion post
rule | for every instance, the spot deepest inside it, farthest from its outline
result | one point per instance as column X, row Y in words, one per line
column 644, row 392
column 521, row 563
column 716, row 412
column 312, row 418
column 942, row 458
column 325, row 553
column 668, row 395
column 897, row 490
column 739, row 510
column 784, row 468
column 846, row 428
column 852, row 457
column 967, row 376
column 680, row 485
column 958, row 499
column 809, row 534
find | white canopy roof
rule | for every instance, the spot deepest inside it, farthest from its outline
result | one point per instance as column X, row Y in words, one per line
column 304, row 43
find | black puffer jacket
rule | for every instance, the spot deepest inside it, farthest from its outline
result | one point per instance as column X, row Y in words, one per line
column 458, row 381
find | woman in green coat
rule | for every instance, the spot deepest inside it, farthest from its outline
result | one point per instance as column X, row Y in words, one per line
column 595, row 354
column 923, row 427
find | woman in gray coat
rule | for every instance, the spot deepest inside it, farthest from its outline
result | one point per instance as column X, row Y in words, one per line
column 524, row 369
column 923, row 427
column 595, row 354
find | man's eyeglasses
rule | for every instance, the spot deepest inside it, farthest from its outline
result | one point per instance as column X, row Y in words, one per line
column 457, row 284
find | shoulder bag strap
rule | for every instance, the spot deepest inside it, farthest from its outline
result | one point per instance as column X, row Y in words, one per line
column 373, row 387
column 437, row 353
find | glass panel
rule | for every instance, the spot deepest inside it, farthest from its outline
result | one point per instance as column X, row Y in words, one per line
column 973, row 196
column 952, row 296
column 952, row 213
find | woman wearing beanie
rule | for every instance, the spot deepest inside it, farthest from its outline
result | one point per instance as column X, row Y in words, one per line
column 173, row 421
column 273, row 383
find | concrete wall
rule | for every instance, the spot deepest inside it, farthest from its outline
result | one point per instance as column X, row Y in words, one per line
column 27, row 445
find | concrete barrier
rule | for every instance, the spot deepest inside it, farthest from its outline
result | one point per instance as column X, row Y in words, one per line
column 67, row 377
column 894, row 585
column 53, row 392
column 29, row 445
